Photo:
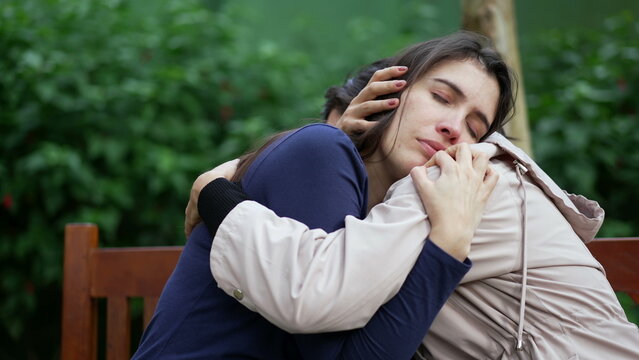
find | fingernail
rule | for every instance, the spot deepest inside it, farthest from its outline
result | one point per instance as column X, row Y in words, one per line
column 392, row 102
column 402, row 68
column 400, row 83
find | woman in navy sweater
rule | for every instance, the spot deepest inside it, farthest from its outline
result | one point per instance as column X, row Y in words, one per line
column 454, row 89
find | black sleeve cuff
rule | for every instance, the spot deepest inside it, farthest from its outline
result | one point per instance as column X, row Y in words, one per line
column 216, row 200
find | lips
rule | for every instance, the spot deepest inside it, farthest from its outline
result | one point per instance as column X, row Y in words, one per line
column 430, row 146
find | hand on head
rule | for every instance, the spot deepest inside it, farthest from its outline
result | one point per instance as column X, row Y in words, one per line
column 365, row 104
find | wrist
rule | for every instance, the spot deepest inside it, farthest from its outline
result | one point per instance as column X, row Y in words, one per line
column 452, row 241
column 216, row 200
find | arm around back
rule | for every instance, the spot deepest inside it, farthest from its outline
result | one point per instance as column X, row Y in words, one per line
column 311, row 281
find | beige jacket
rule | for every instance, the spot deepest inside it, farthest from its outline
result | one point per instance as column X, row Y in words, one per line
column 533, row 284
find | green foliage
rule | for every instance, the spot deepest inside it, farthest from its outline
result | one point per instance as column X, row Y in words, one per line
column 109, row 109
column 582, row 96
column 632, row 309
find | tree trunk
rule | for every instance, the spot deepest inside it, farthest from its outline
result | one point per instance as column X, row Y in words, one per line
column 496, row 19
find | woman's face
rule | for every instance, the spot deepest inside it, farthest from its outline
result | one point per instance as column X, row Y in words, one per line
column 453, row 102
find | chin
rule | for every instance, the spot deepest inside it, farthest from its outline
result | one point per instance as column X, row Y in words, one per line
column 411, row 166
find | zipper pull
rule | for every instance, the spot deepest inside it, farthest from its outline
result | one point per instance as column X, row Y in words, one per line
column 520, row 167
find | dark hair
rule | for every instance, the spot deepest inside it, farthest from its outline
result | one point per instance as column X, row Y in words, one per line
column 339, row 97
column 420, row 58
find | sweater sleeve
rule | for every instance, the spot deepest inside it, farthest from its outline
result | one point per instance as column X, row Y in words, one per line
column 314, row 176
column 216, row 200
column 398, row 327
column 302, row 296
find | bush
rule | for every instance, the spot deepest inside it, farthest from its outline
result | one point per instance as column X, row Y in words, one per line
column 582, row 95
column 110, row 109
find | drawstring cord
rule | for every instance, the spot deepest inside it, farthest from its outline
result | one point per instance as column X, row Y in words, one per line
column 520, row 170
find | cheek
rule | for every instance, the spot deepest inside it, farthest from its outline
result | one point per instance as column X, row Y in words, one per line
column 470, row 140
column 423, row 110
column 467, row 138
column 388, row 139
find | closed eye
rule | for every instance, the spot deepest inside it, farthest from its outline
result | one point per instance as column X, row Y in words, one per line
column 440, row 98
column 471, row 131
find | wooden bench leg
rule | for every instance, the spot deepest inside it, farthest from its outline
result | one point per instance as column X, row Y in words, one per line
column 79, row 311
column 118, row 343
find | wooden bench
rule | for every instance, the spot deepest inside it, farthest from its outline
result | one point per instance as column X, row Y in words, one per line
column 620, row 259
column 118, row 274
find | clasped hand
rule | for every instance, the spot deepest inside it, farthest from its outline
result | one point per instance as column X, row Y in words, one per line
column 455, row 201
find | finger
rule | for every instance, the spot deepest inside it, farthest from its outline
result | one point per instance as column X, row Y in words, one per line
column 463, row 155
column 490, row 181
column 444, row 161
column 480, row 162
column 190, row 223
column 227, row 169
column 187, row 228
column 419, row 174
column 368, row 108
column 423, row 184
column 452, row 150
column 433, row 159
column 355, row 126
column 233, row 165
column 388, row 73
column 376, row 89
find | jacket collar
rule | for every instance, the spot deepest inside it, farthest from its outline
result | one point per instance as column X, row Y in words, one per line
column 584, row 215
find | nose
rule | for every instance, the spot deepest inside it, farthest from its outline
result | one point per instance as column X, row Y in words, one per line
column 451, row 128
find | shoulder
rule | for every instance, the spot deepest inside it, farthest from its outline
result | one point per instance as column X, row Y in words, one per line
column 315, row 147
column 320, row 140
column 317, row 165
column 313, row 174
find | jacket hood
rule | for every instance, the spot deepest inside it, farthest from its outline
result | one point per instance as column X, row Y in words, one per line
column 584, row 215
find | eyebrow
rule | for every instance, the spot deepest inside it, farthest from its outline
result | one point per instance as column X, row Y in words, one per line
column 461, row 94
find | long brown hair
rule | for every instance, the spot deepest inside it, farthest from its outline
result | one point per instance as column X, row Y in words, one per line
column 247, row 159
column 419, row 58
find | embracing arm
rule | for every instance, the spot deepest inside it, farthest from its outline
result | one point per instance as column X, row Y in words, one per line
column 277, row 257
column 306, row 280
column 191, row 213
